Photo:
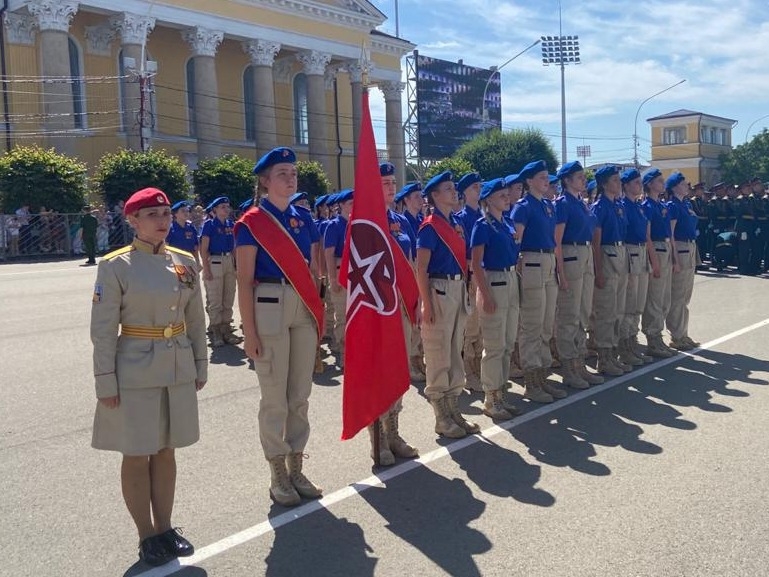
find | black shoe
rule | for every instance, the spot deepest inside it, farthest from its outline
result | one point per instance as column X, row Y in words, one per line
column 153, row 551
column 176, row 545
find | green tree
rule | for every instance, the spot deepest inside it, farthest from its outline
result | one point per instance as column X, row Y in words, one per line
column 747, row 160
column 498, row 154
column 312, row 179
column 229, row 175
column 122, row 173
column 456, row 165
column 41, row 178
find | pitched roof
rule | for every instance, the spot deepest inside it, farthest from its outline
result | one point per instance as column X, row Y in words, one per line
column 686, row 112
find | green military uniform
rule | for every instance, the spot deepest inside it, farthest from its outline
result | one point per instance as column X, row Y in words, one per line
column 745, row 227
column 148, row 330
column 89, row 224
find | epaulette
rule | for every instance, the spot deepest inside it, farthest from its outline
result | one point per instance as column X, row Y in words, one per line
column 180, row 251
column 118, row 252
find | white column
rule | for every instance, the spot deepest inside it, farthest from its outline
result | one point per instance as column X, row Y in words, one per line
column 314, row 64
column 262, row 54
column 396, row 150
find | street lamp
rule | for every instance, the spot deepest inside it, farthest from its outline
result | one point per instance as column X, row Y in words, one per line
column 747, row 132
column 561, row 50
column 635, row 128
column 495, row 70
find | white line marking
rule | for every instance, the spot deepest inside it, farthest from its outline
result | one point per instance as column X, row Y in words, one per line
column 46, row 271
column 344, row 493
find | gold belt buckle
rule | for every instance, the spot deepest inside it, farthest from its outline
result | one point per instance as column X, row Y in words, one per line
column 168, row 332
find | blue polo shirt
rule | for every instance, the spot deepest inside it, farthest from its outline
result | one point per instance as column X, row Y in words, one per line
column 658, row 216
column 538, row 216
column 575, row 214
column 468, row 216
column 401, row 231
column 220, row 237
column 442, row 260
column 636, row 222
column 610, row 218
column 498, row 239
column 335, row 234
column 414, row 221
column 686, row 220
column 301, row 228
column 183, row 237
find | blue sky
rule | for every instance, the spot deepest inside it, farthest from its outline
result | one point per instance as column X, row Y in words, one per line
column 629, row 50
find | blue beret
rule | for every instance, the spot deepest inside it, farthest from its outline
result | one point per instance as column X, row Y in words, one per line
column 244, row 206
column 297, row 196
column 275, row 156
column 216, row 202
column 491, row 186
column 552, row 179
column 512, row 179
column 467, row 180
column 331, row 199
column 408, row 189
column 605, row 172
column 386, row 169
column 533, row 168
column 569, row 168
column 650, row 175
column 344, row 195
column 436, row 180
column 180, row 204
column 591, row 185
column 673, row 180
column 321, row 200
column 629, row 174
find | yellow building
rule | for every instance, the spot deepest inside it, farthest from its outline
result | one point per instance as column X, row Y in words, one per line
column 200, row 79
column 691, row 142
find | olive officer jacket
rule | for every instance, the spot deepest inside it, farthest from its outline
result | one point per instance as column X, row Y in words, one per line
column 137, row 287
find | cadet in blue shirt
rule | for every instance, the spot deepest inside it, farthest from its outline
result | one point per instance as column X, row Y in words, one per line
column 574, row 264
column 217, row 245
column 470, row 186
column 441, row 278
column 683, row 222
column 333, row 246
column 658, row 295
column 281, row 331
column 182, row 233
column 611, row 269
column 640, row 252
column 534, row 220
column 321, row 222
column 494, row 256
column 409, row 199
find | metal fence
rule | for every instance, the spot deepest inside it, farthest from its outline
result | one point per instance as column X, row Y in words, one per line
column 51, row 234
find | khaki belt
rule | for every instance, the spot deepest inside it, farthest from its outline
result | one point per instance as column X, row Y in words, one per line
column 141, row 332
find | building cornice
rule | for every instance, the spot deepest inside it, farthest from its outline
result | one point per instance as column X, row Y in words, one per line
column 355, row 16
column 391, row 46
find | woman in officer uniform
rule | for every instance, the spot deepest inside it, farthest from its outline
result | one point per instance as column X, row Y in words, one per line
column 442, row 277
column 574, row 264
column 282, row 315
column 683, row 222
column 534, row 220
column 217, row 245
column 150, row 359
column 494, row 256
column 183, row 234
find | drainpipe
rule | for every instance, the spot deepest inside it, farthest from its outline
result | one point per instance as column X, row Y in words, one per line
column 4, row 73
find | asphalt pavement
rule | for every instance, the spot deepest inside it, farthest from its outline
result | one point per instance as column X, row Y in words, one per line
column 660, row 472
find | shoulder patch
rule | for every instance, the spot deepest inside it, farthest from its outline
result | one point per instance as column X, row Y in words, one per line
column 118, row 252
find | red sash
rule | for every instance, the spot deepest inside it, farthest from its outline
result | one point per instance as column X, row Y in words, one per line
column 450, row 237
column 272, row 237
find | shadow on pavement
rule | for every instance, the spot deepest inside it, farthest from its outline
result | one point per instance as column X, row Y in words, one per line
column 320, row 545
column 432, row 514
column 140, row 567
column 230, row 355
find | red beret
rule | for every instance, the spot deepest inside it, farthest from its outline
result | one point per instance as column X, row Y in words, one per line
column 145, row 198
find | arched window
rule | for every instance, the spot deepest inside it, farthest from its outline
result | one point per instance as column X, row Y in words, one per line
column 301, row 131
column 249, row 103
column 191, row 97
column 78, row 92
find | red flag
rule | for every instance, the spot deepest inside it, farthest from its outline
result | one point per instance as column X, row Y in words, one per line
column 376, row 369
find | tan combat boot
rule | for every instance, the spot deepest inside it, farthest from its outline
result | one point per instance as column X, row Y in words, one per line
column 626, row 354
column 229, row 336
column 534, row 391
column 624, row 367
column 444, row 424
column 658, row 349
column 571, row 377
column 581, row 367
column 605, row 364
column 398, row 446
column 472, row 382
column 302, row 484
column 516, row 372
column 493, row 407
column 282, row 490
column 638, row 350
column 416, row 374
column 549, row 387
column 216, row 336
column 452, row 404
column 386, row 457
column 554, row 354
